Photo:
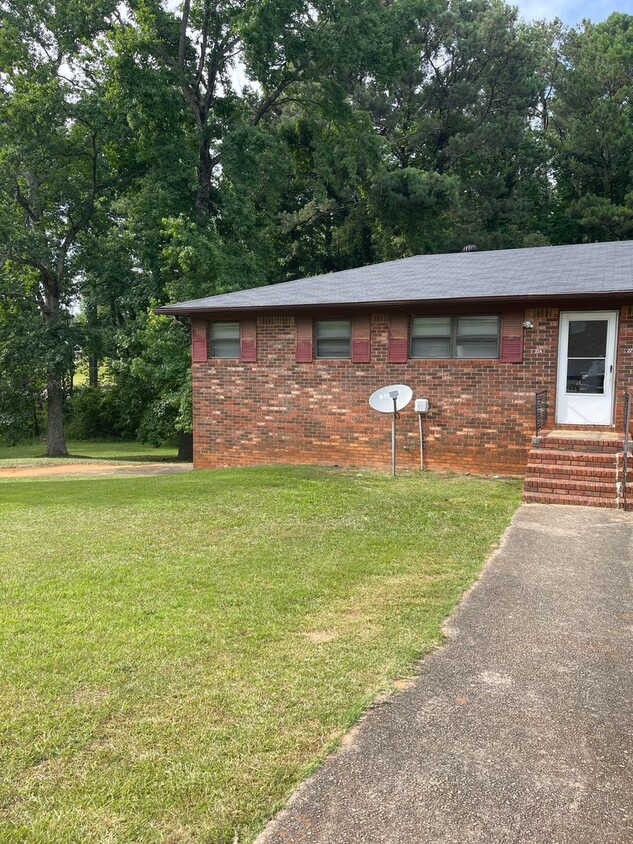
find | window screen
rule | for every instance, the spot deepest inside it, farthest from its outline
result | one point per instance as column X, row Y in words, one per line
column 225, row 339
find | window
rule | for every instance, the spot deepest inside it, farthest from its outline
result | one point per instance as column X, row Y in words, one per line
column 333, row 338
column 431, row 337
column 477, row 337
column 455, row 337
column 225, row 339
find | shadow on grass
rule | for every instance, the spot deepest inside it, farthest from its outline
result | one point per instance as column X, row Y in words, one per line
column 89, row 451
column 126, row 458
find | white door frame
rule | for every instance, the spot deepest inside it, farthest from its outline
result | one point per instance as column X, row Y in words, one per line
column 580, row 408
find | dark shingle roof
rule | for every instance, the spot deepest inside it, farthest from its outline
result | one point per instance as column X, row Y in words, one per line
column 590, row 268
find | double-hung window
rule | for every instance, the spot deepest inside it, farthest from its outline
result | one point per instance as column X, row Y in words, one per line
column 333, row 338
column 224, row 339
column 431, row 337
column 455, row 337
column 477, row 337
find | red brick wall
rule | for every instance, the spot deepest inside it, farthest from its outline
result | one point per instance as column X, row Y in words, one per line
column 481, row 415
column 624, row 365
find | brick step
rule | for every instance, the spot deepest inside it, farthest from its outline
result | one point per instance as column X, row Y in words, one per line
column 567, row 486
column 583, row 445
column 550, row 457
column 578, row 500
column 572, row 470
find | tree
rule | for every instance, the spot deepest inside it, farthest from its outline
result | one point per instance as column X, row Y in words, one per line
column 22, row 374
column 52, row 168
column 459, row 101
column 283, row 46
column 591, row 131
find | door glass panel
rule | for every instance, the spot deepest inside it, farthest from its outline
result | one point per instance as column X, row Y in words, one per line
column 588, row 338
column 585, row 375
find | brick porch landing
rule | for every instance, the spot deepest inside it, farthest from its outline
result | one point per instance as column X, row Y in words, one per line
column 578, row 467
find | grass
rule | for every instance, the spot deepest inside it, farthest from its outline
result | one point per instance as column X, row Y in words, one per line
column 83, row 451
column 180, row 651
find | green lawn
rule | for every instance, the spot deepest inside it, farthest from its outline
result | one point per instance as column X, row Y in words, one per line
column 179, row 651
column 33, row 453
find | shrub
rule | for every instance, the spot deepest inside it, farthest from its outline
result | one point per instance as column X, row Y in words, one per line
column 94, row 413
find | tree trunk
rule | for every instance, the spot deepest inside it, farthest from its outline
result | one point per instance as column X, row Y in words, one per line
column 93, row 371
column 205, row 169
column 185, row 446
column 55, row 441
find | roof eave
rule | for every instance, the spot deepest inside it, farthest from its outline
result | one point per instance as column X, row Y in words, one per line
column 187, row 311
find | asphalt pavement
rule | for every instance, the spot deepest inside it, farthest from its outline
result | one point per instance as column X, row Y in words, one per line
column 519, row 730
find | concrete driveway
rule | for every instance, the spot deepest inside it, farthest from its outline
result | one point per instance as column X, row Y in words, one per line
column 520, row 729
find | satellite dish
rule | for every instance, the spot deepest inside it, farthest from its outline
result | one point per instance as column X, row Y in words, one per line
column 391, row 399
column 382, row 399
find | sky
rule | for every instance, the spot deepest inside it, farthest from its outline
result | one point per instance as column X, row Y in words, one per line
column 572, row 12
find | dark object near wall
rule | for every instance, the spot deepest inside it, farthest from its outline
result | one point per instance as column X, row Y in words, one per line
column 185, row 445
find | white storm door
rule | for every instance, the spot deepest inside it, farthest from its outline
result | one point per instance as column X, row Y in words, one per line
column 586, row 367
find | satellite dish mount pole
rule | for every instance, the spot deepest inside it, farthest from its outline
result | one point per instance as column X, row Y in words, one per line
column 391, row 399
column 394, row 396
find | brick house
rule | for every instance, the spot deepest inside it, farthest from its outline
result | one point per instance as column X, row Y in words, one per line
column 282, row 374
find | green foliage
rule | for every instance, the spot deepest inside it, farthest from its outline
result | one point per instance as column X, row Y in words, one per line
column 412, row 205
column 94, row 413
column 191, row 259
column 53, row 168
column 151, row 153
column 26, row 343
column 153, row 379
column 592, row 131
column 458, row 103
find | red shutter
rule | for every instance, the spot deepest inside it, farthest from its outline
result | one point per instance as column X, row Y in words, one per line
column 398, row 351
column 511, row 346
column 248, row 340
column 199, row 329
column 361, row 347
column 304, row 339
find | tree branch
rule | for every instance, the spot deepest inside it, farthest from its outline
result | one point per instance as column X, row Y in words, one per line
column 24, row 203
column 76, row 227
column 271, row 99
column 182, row 41
column 203, row 46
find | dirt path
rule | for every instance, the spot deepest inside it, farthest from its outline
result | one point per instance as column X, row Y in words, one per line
column 95, row 469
